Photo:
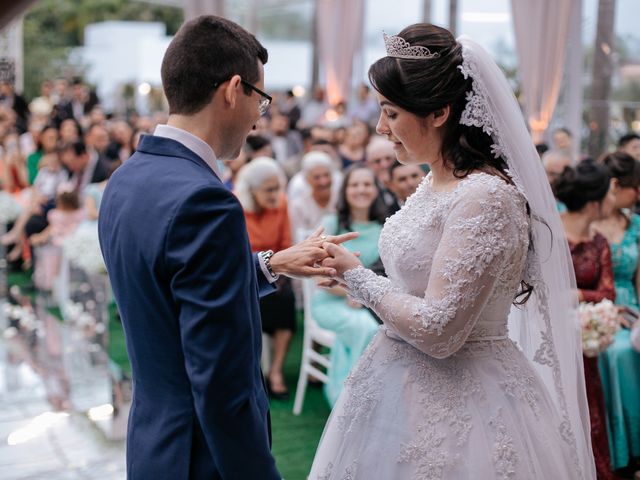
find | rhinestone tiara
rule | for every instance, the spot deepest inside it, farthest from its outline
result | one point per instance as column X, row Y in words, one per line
column 398, row 47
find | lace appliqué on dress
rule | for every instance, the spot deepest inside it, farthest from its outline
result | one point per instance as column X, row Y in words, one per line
column 349, row 473
column 364, row 389
column 365, row 286
column 446, row 389
column 505, row 456
column 477, row 113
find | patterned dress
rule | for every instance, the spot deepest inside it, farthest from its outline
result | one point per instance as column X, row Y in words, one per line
column 620, row 364
column 594, row 277
column 442, row 392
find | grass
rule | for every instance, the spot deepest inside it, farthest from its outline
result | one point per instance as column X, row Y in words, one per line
column 295, row 438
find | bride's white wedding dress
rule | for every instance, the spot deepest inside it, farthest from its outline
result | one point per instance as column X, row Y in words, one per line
column 442, row 392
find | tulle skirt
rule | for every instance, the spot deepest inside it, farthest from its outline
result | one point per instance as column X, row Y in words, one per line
column 482, row 413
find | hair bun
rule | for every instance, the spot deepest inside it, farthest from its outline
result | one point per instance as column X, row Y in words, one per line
column 586, row 182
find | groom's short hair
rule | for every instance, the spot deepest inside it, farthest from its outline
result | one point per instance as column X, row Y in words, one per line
column 206, row 51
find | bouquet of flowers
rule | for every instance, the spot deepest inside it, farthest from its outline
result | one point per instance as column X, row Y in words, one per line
column 599, row 323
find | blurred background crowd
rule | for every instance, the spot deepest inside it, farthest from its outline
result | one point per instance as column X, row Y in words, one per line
column 313, row 160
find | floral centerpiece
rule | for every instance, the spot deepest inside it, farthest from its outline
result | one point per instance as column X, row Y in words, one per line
column 600, row 322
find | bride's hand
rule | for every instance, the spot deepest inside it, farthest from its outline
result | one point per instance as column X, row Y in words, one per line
column 305, row 258
column 340, row 259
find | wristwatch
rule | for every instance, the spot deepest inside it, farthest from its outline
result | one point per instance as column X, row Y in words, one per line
column 266, row 258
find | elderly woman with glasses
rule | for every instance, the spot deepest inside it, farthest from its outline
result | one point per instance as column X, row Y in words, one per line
column 260, row 190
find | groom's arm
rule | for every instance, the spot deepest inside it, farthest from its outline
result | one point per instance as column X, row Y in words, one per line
column 211, row 270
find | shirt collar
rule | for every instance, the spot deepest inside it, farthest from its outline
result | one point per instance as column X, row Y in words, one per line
column 193, row 143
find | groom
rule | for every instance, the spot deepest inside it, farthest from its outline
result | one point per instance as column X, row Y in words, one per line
column 185, row 281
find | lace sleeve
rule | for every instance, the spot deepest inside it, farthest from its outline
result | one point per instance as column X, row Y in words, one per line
column 480, row 235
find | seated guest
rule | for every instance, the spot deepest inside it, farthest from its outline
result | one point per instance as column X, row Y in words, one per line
column 232, row 167
column 586, row 192
column 352, row 148
column 307, row 212
column 258, row 146
column 120, row 146
column 379, row 157
column 299, row 187
column 630, row 144
column 620, row 363
column 563, row 140
column 96, row 138
column 286, row 143
column 63, row 220
column 404, row 180
column 84, row 166
column 42, row 199
column 45, row 144
column 260, row 190
column 554, row 163
column 360, row 209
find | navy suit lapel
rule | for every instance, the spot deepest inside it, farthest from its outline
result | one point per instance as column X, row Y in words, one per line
column 167, row 147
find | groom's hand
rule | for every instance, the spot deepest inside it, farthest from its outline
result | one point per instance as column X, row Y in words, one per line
column 305, row 258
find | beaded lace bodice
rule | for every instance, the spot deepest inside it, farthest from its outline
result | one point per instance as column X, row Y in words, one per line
column 454, row 262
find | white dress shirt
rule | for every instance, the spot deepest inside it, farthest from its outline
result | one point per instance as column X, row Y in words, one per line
column 193, row 143
column 206, row 153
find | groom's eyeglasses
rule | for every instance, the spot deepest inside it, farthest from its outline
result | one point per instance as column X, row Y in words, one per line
column 265, row 99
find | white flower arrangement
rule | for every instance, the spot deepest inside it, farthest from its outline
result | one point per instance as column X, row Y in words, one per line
column 9, row 208
column 83, row 251
column 600, row 322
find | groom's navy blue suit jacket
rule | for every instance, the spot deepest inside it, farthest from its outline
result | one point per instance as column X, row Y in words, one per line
column 187, row 286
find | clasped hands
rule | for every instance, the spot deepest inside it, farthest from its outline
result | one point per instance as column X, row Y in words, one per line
column 318, row 256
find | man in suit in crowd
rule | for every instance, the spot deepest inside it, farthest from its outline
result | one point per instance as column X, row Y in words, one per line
column 184, row 278
column 85, row 165
column 10, row 99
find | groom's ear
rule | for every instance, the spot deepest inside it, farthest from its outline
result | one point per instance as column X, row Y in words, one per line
column 231, row 91
column 440, row 116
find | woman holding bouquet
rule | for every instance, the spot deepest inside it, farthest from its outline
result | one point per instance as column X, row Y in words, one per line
column 587, row 193
column 620, row 363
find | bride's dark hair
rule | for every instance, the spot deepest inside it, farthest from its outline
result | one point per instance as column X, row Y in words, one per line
column 424, row 86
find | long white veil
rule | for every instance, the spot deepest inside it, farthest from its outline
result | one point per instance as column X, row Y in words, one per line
column 546, row 327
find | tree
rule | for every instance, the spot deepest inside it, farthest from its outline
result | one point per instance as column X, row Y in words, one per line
column 601, row 84
column 53, row 27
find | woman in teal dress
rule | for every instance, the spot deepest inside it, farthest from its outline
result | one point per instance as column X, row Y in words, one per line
column 620, row 364
column 360, row 209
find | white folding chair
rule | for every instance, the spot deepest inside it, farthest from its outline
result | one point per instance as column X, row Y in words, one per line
column 312, row 334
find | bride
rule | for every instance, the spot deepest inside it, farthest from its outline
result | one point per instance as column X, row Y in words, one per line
column 477, row 370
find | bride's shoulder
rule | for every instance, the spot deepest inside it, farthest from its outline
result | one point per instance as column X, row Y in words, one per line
column 488, row 188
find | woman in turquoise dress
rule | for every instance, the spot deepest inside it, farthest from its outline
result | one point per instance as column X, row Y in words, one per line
column 620, row 364
column 360, row 209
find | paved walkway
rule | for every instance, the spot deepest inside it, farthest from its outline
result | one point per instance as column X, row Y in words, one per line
column 51, row 382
